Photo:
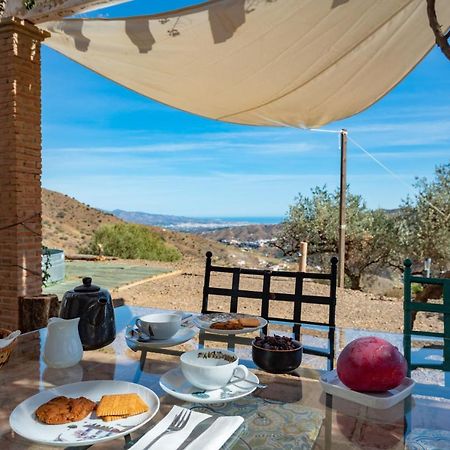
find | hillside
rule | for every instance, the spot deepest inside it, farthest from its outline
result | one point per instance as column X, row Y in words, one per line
column 148, row 219
column 69, row 224
column 245, row 233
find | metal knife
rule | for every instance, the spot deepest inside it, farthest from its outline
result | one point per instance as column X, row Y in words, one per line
column 197, row 431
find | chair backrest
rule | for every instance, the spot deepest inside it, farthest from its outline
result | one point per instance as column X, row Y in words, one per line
column 411, row 307
column 267, row 295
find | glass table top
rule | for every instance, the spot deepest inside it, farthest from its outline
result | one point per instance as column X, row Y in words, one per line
column 292, row 411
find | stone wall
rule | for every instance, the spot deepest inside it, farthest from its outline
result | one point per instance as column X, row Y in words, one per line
column 20, row 166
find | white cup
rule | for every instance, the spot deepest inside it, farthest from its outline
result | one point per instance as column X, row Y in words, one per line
column 159, row 325
column 211, row 368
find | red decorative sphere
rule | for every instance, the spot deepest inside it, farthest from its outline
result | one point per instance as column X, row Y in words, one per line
column 371, row 364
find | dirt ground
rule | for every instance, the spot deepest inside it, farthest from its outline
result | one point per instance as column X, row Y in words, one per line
column 182, row 290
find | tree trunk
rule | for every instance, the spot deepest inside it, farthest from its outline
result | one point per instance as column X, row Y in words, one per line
column 355, row 281
column 441, row 39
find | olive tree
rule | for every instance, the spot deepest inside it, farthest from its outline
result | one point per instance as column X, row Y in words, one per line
column 370, row 235
column 425, row 220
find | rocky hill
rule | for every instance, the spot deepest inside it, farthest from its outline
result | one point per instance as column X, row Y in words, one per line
column 69, row 225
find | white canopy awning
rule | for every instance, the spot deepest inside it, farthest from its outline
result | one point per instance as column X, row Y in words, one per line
column 259, row 62
column 39, row 11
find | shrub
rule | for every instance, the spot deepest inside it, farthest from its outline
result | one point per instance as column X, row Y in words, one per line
column 416, row 288
column 131, row 241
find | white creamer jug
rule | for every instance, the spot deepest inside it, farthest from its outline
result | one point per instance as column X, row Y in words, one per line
column 63, row 345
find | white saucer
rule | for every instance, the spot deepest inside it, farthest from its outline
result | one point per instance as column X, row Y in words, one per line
column 382, row 400
column 174, row 383
column 91, row 430
column 184, row 334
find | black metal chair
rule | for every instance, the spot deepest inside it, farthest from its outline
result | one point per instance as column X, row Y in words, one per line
column 267, row 296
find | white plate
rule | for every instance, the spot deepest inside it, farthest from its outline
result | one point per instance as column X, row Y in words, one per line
column 184, row 334
column 205, row 321
column 89, row 430
column 174, row 383
column 382, row 400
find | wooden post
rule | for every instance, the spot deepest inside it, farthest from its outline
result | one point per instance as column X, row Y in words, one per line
column 427, row 267
column 35, row 311
column 303, row 256
column 342, row 202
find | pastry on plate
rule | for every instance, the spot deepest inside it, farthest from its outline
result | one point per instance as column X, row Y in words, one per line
column 232, row 324
column 60, row 410
column 249, row 322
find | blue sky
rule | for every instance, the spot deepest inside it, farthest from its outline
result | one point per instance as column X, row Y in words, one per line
column 112, row 148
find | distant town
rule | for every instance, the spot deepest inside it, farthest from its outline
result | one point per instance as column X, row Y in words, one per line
column 260, row 243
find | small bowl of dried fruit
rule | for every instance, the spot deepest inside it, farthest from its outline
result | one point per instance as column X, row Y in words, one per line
column 277, row 354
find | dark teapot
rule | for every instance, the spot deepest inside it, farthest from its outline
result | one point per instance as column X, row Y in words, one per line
column 94, row 307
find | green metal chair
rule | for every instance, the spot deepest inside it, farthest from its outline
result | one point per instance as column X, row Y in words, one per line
column 409, row 308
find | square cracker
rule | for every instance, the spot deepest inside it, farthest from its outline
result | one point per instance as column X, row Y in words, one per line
column 111, row 418
column 121, row 405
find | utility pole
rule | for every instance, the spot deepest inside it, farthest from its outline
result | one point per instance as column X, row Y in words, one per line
column 342, row 204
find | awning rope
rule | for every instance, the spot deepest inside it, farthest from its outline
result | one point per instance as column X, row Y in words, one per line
column 366, row 152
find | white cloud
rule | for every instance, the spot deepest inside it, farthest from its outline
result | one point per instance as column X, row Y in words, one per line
column 260, row 143
column 404, row 134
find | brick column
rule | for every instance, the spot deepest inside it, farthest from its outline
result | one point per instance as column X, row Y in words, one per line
column 20, row 165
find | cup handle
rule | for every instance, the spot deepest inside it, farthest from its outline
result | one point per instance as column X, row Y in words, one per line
column 138, row 323
column 241, row 372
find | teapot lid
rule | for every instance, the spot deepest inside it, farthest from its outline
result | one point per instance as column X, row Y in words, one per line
column 87, row 286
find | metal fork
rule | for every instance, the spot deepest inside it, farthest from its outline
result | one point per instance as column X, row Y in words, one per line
column 178, row 423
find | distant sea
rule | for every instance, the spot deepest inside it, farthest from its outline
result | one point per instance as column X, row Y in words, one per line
column 269, row 220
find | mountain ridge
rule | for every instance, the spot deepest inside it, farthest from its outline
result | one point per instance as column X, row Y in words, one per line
column 184, row 223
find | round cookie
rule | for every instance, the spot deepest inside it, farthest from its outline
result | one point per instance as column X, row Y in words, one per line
column 60, row 410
